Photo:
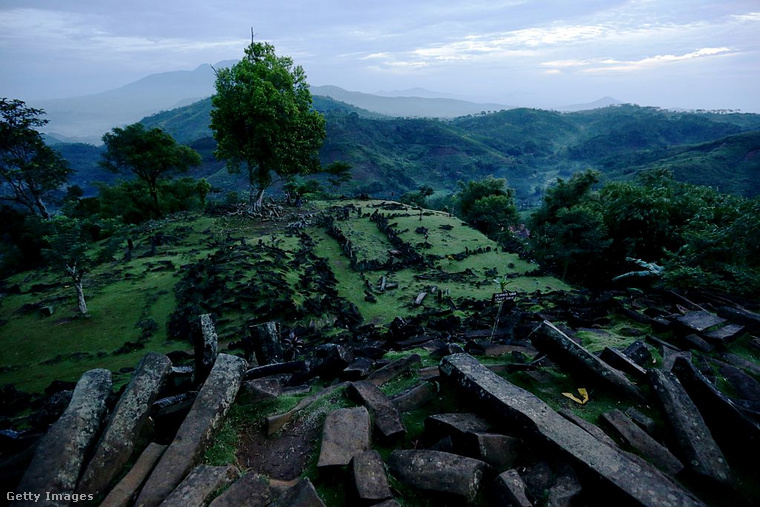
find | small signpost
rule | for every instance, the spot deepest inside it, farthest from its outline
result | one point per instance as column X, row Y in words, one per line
column 500, row 297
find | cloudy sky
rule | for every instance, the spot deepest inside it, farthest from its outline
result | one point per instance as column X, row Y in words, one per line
column 540, row 53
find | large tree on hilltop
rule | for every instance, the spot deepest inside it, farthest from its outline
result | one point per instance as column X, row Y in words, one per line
column 29, row 169
column 263, row 120
column 150, row 154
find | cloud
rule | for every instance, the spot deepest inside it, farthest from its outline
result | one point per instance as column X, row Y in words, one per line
column 598, row 65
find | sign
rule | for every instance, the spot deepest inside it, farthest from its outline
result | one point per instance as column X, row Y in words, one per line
column 500, row 297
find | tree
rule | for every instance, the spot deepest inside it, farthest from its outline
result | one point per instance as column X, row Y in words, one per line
column 151, row 155
column 262, row 118
column 419, row 197
column 338, row 172
column 488, row 204
column 29, row 169
column 67, row 250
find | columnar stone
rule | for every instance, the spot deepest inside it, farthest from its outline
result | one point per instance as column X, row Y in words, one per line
column 346, row 432
column 369, row 479
column 641, row 442
column 129, row 486
column 119, row 439
column 620, row 361
column 386, row 417
column 266, row 343
column 440, row 472
column 303, row 494
column 699, row 450
column 60, row 455
column 394, row 369
column 499, row 451
column 196, row 489
column 200, row 425
column 509, row 489
column 416, row 397
column 729, row 425
column 205, row 343
column 591, row 428
column 632, row 480
column 558, row 346
column 251, row 490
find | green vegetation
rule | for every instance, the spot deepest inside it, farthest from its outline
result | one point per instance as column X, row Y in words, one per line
column 29, row 169
column 263, row 118
column 149, row 154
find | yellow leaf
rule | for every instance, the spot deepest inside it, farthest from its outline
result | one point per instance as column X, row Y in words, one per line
column 584, row 396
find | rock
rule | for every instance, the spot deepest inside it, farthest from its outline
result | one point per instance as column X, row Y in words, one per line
column 744, row 386
column 394, row 369
column 359, row 369
column 621, row 362
column 701, row 454
column 700, row 320
column 302, row 494
column 368, row 477
column 386, row 417
column 639, row 354
column 509, row 489
column 266, row 343
column 499, row 451
column 260, row 389
column 732, row 429
column 641, row 442
column 118, row 442
column 346, row 432
column 741, row 316
column 694, row 341
column 456, row 425
column 198, row 487
column 60, row 455
column 566, row 488
column 276, row 369
column 277, row 421
column 332, row 359
column 592, row 429
column 416, row 397
column 127, row 488
column 560, row 348
column 173, row 404
column 439, row 472
column 538, row 479
column 645, row 423
column 199, row 427
column 625, row 478
column 740, row 362
column 206, row 346
column 251, row 490
column 725, row 334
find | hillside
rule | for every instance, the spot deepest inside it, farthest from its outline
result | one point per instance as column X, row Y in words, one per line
column 528, row 147
column 244, row 272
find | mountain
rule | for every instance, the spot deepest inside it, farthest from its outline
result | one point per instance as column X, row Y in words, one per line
column 603, row 102
column 88, row 117
column 407, row 106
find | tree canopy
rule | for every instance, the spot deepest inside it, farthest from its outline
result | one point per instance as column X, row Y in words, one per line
column 151, row 155
column 263, row 120
column 29, row 169
column 488, row 204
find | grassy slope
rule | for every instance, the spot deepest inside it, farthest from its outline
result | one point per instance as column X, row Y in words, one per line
column 124, row 296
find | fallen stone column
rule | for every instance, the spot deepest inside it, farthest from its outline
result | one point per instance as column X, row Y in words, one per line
column 633, row 481
column 199, row 427
column 560, row 348
column 200, row 484
column 346, row 432
column 386, row 417
column 126, row 490
column 118, row 442
column 55, row 467
column 206, row 345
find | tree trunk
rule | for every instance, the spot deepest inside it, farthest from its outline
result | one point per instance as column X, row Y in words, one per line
column 81, row 303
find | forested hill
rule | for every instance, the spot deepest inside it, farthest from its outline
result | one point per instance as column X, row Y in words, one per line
column 529, row 147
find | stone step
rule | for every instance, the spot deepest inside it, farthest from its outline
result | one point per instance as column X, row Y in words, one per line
column 201, row 483
column 128, row 487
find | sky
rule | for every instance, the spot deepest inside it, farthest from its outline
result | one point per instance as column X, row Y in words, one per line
column 690, row 54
